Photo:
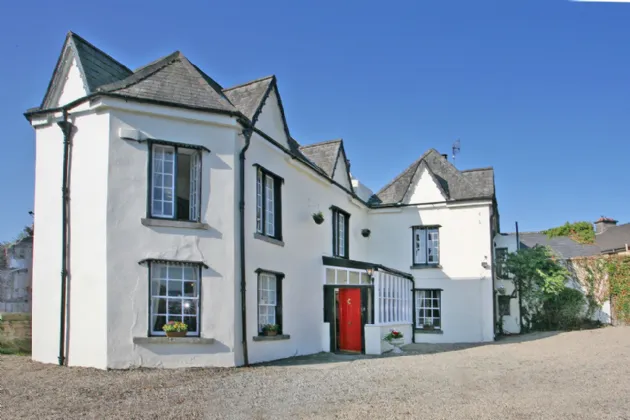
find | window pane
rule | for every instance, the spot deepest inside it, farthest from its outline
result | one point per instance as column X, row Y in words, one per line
column 269, row 206
column 433, row 246
column 191, row 321
column 174, row 307
column 420, row 246
column 341, row 235
column 189, row 273
column 195, row 186
column 175, row 271
column 158, row 322
column 189, row 307
column 259, row 202
column 167, row 280
column 190, row 288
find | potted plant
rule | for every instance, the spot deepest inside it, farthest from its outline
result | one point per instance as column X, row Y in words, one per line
column 318, row 217
column 175, row 329
column 271, row 329
column 428, row 327
column 366, row 232
column 395, row 338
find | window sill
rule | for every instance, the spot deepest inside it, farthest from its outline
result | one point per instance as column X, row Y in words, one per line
column 172, row 340
column 421, row 331
column 271, row 337
column 268, row 239
column 183, row 224
column 425, row 266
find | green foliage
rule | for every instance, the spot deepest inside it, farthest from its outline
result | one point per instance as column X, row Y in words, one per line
column 581, row 232
column 618, row 268
column 564, row 310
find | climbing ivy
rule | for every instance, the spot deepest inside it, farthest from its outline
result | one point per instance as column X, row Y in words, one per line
column 619, row 275
column 581, row 232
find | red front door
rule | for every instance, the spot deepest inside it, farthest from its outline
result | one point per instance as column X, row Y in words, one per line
column 350, row 319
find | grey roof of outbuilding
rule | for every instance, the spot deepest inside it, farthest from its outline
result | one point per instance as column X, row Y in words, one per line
column 173, row 79
column 455, row 185
column 564, row 246
column 323, row 154
column 615, row 237
column 248, row 97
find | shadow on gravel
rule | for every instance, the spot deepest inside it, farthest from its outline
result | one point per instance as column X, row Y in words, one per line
column 413, row 349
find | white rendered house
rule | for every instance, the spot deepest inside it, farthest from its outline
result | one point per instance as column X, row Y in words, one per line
column 187, row 201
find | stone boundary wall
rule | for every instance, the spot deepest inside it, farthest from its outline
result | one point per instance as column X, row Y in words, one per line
column 15, row 332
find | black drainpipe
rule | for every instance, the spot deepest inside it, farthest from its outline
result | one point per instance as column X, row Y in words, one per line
column 66, row 128
column 247, row 132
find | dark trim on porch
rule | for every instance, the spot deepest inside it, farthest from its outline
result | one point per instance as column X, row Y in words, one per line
column 361, row 265
column 178, row 262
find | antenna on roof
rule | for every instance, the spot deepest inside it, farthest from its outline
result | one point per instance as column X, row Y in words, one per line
column 456, row 149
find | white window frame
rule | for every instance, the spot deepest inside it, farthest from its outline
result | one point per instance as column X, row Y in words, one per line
column 435, row 298
column 166, row 279
column 426, row 245
column 163, row 182
column 393, row 299
column 267, row 299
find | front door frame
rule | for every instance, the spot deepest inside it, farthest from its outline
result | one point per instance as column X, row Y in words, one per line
column 331, row 316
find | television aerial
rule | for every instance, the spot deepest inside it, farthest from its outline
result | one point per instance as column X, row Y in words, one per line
column 456, row 149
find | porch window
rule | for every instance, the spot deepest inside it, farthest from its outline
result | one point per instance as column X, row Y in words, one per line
column 428, row 309
column 269, row 299
column 393, row 299
column 174, row 296
column 426, row 245
column 175, row 186
column 268, row 204
column 341, row 237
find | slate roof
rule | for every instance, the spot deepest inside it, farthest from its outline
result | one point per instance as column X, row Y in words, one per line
column 97, row 68
column 455, row 185
column 564, row 246
column 248, row 97
column 174, row 80
column 323, row 154
column 614, row 237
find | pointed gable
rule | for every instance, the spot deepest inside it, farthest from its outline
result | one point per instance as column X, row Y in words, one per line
column 453, row 183
column 341, row 172
column 248, row 97
column 271, row 119
column 425, row 187
column 172, row 80
column 80, row 70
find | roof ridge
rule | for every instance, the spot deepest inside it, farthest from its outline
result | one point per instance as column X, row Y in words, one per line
column 457, row 171
column 250, row 82
column 415, row 163
column 142, row 73
column 89, row 44
column 321, row 143
column 477, row 169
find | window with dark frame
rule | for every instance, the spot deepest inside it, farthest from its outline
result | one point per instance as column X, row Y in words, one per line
column 504, row 305
column 268, row 204
column 500, row 255
column 426, row 245
column 341, row 229
column 429, row 309
column 174, row 295
column 175, row 182
column 269, row 299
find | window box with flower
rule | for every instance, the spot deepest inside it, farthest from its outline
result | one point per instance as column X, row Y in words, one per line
column 175, row 329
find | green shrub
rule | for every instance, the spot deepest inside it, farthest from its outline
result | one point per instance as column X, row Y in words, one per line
column 564, row 311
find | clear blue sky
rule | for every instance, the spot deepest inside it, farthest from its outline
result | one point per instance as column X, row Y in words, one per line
column 538, row 89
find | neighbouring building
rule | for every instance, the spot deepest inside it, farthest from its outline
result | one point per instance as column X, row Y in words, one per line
column 16, row 276
column 184, row 200
column 610, row 239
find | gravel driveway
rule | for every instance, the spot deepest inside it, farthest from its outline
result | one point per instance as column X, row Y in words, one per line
column 576, row 375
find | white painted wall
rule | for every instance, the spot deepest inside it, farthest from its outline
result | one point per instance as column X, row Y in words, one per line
column 511, row 323
column 425, row 190
column 341, row 173
column 47, row 243
column 73, row 87
column 361, row 190
column 465, row 243
column 300, row 259
column 128, row 241
column 270, row 120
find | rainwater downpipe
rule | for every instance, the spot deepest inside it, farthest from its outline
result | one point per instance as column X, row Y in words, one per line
column 247, row 132
column 66, row 128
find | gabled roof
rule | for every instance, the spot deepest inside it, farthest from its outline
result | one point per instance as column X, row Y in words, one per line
column 97, row 68
column 248, row 97
column 172, row 80
column 323, row 154
column 615, row 237
column 453, row 183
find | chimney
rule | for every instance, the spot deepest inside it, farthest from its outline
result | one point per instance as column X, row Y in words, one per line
column 603, row 223
column 445, row 156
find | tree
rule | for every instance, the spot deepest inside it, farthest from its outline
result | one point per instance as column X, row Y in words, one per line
column 538, row 276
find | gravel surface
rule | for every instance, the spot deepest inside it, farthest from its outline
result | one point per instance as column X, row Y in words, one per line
column 576, row 375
